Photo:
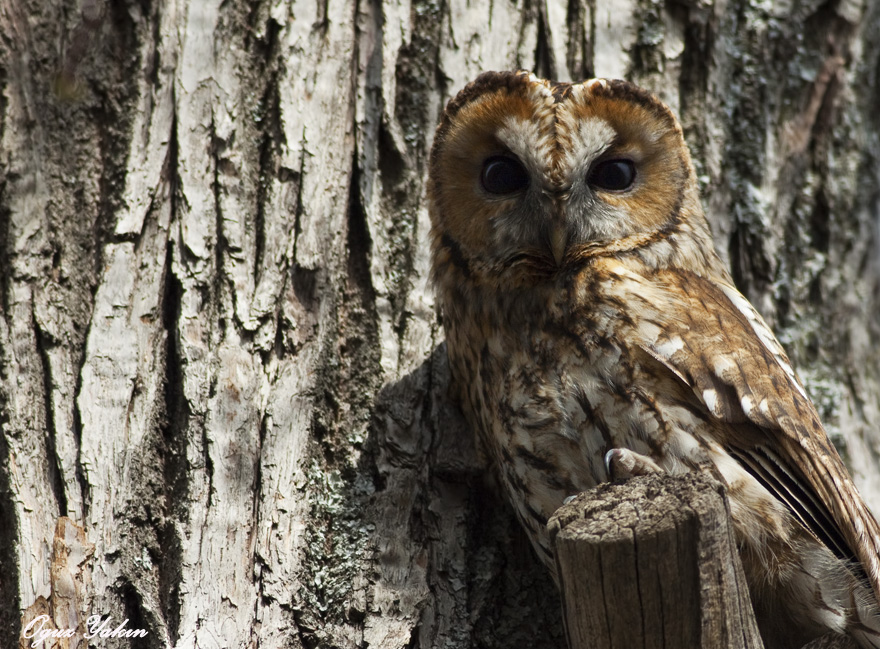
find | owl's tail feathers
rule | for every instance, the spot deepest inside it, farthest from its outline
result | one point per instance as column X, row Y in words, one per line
column 842, row 601
column 863, row 624
column 867, row 637
column 801, row 591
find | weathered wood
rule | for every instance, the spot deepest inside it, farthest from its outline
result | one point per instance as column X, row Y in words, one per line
column 652, row 563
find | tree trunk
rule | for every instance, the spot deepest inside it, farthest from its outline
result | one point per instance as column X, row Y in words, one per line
column 222, row 378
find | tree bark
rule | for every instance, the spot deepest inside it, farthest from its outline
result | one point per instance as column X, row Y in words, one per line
column 222, row 378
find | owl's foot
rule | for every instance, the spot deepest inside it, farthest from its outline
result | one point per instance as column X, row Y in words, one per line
column 623, row 463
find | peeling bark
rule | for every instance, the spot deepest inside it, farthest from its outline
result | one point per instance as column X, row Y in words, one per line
column 220, row 360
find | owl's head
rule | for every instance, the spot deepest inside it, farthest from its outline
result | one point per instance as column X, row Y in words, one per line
column 532, row 175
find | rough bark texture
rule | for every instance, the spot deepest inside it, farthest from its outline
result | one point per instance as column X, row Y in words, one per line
column 660, row 553
column 222, row 379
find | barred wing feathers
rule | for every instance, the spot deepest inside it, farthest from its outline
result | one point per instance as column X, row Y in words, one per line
column 723, row 350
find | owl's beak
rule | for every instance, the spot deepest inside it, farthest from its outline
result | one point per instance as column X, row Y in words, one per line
column 558, row 242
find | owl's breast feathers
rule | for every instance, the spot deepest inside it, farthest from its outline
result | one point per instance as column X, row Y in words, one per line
column 662, row 361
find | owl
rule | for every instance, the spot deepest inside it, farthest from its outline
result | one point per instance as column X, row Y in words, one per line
column 593, row 332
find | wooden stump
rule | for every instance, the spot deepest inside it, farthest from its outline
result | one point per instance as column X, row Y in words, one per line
column 652, row 563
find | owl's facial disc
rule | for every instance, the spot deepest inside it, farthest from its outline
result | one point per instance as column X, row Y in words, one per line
column 523, row 172
column 624, row 156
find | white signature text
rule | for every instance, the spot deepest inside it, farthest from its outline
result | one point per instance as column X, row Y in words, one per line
column 95, row 628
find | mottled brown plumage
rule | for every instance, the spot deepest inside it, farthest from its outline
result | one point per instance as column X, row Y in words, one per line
column 586, row 310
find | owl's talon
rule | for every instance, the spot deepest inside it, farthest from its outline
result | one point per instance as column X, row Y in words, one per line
column 569, row 499
column 608, row 457
column 622, row 464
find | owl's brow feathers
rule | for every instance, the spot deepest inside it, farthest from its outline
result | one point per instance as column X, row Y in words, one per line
column 559, row 90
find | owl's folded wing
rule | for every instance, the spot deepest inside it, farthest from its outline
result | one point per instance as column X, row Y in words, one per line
column 725, row 352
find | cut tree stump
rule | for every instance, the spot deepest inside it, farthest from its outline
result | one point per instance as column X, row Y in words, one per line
column 652, row 563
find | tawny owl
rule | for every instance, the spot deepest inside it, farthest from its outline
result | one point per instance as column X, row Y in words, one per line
column 592, row 328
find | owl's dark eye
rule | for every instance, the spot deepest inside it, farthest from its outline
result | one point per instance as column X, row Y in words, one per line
column 503, row 175
column 613, row 175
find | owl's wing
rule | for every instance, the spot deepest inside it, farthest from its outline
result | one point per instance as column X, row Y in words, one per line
column 724, row 351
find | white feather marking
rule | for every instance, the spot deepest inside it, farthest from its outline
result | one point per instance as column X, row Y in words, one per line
column 860, row 527
column 721, row 364
column 525, row 139
column 667, row 348
column 649, row 331
column 592, row 83
column 621, row 272
column 747, row 404
column 710, row 397
column 539, row 87
column 763, row 332
column 831, row 618
column 683, row 444
column 764, row 407
column 592, row 136
column 664, row 361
